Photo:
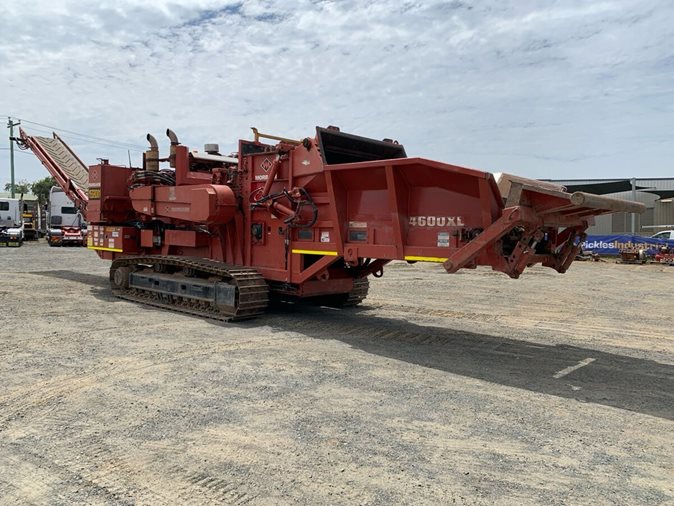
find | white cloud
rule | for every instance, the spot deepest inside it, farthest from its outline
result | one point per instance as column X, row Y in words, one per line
column 572, row 89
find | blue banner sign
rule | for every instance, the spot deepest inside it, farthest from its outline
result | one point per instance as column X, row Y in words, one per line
column 612, row 244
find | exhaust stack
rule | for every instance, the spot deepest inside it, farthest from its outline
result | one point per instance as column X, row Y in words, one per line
column 174, row 142
column 151, row 156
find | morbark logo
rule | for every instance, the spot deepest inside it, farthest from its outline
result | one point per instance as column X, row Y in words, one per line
column 266, row 164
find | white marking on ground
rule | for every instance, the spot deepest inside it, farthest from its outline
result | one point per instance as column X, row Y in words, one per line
column 571, row 368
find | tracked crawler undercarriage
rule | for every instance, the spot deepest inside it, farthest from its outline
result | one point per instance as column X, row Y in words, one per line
column 205, row 288
column 189, row 285
column 350, row 299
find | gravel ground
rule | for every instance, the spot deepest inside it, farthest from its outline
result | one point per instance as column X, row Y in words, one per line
column 438, row 390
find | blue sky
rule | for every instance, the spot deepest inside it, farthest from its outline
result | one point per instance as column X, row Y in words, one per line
column 556, row 89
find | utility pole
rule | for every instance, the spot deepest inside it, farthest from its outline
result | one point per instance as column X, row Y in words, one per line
column 634, row 198
column 11, row 125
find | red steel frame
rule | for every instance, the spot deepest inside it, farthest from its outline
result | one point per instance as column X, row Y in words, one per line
column 366, row 214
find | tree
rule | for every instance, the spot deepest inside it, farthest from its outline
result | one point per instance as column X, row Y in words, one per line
column 41, row 189
column 20, row 187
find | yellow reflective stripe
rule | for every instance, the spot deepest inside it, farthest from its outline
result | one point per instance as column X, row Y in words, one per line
column 100, row 248
column 315, row 252
column 425, row 259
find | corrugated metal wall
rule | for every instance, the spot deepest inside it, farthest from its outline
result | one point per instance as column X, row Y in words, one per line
column 657, row 212
column 663, row 214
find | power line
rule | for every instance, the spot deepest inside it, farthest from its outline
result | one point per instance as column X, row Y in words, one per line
column 89, row 141
column 109, row 141
column 91, row 138
column 22, row 152
column 123, row 144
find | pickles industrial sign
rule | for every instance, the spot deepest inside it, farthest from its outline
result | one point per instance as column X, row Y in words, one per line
column 613, row 244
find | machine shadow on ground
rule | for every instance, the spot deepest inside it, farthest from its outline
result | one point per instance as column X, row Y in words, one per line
column 92, row 280
column 633, row 384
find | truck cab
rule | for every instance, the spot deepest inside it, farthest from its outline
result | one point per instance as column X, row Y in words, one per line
column 11, row 222
column 66, row 223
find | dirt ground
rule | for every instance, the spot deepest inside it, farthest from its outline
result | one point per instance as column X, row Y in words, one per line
column 462, row 389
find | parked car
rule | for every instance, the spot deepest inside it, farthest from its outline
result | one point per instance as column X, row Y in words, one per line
column 665, row 234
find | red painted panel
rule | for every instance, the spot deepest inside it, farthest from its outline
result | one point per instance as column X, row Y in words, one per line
column 187, row 238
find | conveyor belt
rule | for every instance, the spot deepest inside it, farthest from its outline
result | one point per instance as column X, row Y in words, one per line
column 63, row 164
column 548, row 199
column 66, row 160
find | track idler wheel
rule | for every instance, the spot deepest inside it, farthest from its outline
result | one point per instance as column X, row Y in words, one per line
column 120, row 277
